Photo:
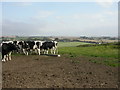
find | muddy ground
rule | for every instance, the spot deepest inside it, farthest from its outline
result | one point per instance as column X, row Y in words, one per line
column 57, row 72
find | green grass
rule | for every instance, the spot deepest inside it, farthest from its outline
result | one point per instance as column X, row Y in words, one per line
column 108, row 53
column 70, row 44
column 96, row 51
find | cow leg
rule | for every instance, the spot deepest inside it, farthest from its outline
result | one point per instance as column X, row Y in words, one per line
column 42, row 51
column 31, row 51
column 38, row 51
column 4, row 58
column 25, row 52
column 51, row 51
column 46, row 51
column 54, row 49
column 9, row 56
column 21, row 51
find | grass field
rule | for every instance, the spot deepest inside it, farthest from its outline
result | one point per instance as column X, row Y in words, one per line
column 70, row 44
column 108, row 53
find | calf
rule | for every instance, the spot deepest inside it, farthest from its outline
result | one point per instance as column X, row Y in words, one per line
column 7, row 49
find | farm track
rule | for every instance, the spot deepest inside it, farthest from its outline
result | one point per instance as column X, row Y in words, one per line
column 57, row 72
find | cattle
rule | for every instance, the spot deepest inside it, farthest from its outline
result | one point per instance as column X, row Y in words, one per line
column 37, row 46
column 34, row 46
column 23, row 47
column 49, row 45
column 27, row 47
column 7, row 48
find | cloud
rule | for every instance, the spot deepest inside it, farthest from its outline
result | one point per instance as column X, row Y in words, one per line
column 20, row 28
column 24, row 4
column 90, row 28
column 105, row 3
column 60, row 19
column 106, row 16
column 44, row 14
column 95, row 24
column 21, row 4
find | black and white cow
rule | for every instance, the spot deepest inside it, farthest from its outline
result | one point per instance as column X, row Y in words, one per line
column 34, row 46
column 7, row 48
column 23, row 47
column 49, row 45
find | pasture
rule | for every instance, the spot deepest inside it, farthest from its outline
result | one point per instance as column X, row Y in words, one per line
column 81, row 65
column 108, row 53
column 70, row 44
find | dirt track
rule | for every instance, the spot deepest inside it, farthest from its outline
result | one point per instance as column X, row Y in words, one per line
column 57, row 72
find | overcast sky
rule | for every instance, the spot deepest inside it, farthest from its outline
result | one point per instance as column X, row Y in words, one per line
column 60, row 18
